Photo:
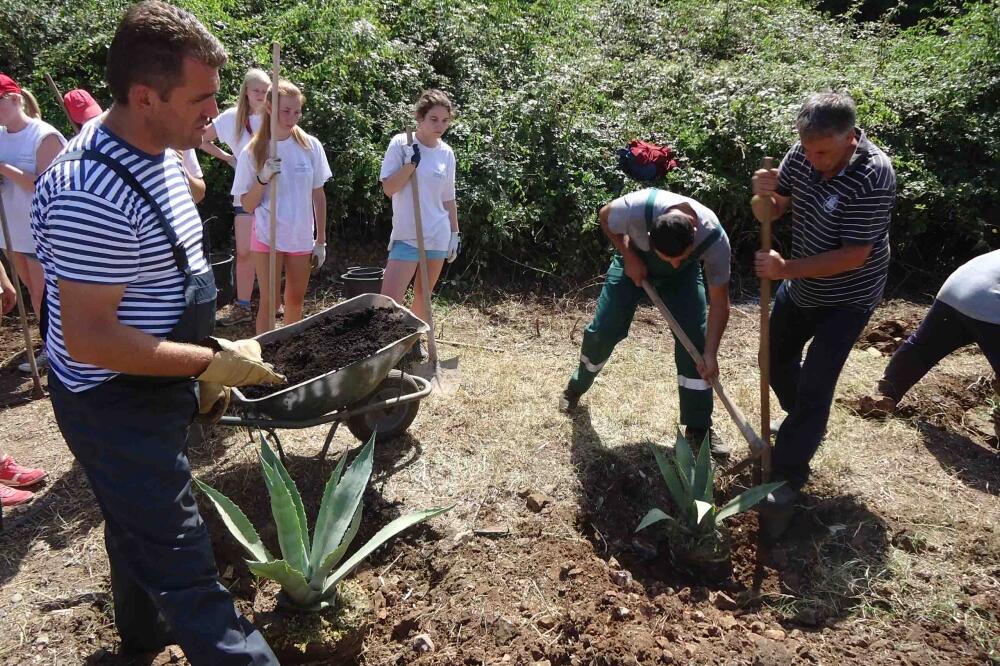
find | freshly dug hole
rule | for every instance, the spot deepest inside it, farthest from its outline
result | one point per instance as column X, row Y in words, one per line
column 343, row 339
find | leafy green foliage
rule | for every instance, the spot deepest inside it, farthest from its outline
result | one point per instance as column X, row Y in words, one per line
column 548, row 89
column 691, row 484
column 309, row 575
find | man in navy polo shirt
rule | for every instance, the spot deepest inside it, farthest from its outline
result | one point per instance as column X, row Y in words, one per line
column 840, row 189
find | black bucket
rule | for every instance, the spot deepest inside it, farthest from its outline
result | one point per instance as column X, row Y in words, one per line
column 361, row 280
column 222, row 269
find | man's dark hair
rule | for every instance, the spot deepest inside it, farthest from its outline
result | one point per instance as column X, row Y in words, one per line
column 672, row 233
column 150, row 45
column 826, row 114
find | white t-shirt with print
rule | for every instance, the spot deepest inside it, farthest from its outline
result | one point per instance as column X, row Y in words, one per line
column 435, row 186
column 302, row 171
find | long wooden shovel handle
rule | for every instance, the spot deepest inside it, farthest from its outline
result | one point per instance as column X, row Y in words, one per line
column 272, row 254
column 59, row 98
column 422, row 256
column 763, row 208
column 755, row 442
column 29, row 348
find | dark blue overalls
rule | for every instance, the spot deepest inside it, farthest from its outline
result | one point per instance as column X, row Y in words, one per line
column 129, row 436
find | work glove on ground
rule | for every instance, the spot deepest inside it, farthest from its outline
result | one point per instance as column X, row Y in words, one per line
column 411, row 154
column 271, row 168
column 318, row 257
column 238, row 363
column 454, row 246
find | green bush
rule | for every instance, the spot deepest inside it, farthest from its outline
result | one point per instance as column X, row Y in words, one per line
column 547, row 90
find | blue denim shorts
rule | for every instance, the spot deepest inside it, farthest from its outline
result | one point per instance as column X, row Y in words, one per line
column 403, row 251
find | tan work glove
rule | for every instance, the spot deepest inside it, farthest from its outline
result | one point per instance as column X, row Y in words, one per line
column 238, row 363
column 213, row 401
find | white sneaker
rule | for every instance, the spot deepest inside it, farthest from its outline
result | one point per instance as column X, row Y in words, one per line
column 42, row 361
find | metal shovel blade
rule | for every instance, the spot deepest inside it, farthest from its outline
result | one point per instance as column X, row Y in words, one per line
column 444, row 376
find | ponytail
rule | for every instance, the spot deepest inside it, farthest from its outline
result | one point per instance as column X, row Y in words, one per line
column 30, row 105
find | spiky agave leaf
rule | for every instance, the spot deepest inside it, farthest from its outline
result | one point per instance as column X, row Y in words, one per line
column 237, row 522
column 292, row 582
column 672, row 477
column 286, row 518
column 340, row 504
column 703, row 509
column 684, row 460
column 267, row 454
column 746, row 500
column 333, row 559
column 703, row 478
column 383, row 535
column 652, row 517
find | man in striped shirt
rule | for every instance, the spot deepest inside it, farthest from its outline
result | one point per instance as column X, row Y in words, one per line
column 840, row 189
column 128, row 294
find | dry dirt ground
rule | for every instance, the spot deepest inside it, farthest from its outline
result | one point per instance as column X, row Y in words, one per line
column 893, row 558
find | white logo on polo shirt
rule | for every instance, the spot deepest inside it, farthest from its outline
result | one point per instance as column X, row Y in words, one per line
column 831, row 203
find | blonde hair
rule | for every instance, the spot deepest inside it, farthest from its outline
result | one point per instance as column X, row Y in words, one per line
column 28, row 103
column 243, row 105
column 428, row 100
column 260, row 142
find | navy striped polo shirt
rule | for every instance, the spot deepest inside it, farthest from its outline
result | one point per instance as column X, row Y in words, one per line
column 852, row 208
column 91, row 227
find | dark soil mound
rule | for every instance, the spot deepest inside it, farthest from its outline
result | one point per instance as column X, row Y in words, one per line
column 344, row 339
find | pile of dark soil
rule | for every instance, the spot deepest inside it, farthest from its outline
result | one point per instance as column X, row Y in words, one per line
column 887, row 335
column 344, row 339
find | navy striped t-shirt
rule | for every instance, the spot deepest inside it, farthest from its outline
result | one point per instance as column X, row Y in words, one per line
column 91, row 227
column 852, row 208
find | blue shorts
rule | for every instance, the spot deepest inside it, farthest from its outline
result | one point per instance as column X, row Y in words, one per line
column 238, row 210
column 403, row 251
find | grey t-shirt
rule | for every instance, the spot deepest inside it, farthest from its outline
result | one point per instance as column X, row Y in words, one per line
column 974, row 289
column 628, row 216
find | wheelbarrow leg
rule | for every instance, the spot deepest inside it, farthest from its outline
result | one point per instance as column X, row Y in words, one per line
column 329, row 438
column 273, row 436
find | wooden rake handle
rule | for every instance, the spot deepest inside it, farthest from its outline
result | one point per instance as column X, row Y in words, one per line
column 763, row 210
column 756, row 444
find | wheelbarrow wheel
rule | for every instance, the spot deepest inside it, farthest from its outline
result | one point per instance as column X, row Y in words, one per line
column 390, row 422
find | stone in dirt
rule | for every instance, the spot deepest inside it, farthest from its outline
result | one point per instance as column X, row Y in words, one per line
column 621, row 613
column 422, row 643
column 724, row 602
column 621, row 578
column 728, row 622
column 343, row 339
column 774, row 634
column 537, row 501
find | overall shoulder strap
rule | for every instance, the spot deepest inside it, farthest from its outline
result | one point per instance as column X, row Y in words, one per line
column 650, row 203
column 703, row 246
column 180, row 256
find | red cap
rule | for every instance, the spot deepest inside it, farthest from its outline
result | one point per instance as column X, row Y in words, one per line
column 8, row 85
column 81, row 106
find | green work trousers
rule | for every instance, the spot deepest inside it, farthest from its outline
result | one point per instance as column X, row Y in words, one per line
column 683, row 292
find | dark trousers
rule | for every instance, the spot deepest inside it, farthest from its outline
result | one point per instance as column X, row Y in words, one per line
column 805, row 387
column 130, row 441
column 942, row 331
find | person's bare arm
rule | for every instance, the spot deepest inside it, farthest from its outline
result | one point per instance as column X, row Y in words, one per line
column 210, row 135
column 718, row 319
column 635, row 267
column 773, row 266
column 47, row 151
column 94, row 335
column 397, row 181
column 765, row 183
column 319, row 214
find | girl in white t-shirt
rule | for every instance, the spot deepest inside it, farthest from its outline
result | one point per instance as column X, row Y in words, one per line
column 235, row 127
column 434, row 163
column 301, row 202
column 27, row 146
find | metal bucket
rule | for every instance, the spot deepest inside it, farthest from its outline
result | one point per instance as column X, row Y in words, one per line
column 362, row 280
column 222, row 270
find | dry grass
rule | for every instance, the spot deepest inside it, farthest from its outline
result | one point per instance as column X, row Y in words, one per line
column 501, row 432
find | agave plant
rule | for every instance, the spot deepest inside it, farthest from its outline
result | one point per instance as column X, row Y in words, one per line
column 309, row 573
column 691, row 484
